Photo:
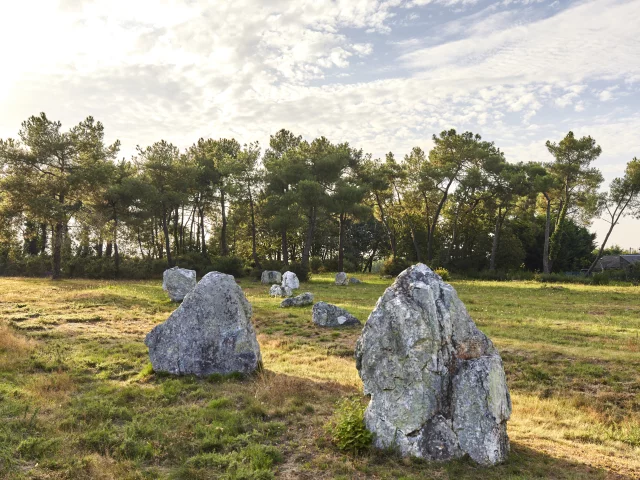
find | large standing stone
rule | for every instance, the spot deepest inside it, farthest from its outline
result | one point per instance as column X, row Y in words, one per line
column 327, row 315
column 341, row 279
column 271, row 276
column 210, row 332
column 437, row 385
column 278, row 291
column 177, row 282
column 290, row 279
column 298, row 301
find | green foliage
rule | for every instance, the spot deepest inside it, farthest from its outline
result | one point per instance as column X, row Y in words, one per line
column 347, row 428
column 444, row 273
column 394, row 266
column 601, row 278
column 229, row 265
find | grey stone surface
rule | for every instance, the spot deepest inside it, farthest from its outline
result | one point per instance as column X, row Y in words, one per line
column 341, row 279
column 210, row 332
column 278, row 291
column 328, row 315
column 298, row 301
column 437, row 385
column 271, row 276
column 354, row 280
column 290, row 279
column 177, row 282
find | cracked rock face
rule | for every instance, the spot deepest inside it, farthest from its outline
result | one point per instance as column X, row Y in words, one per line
column 298, row 301
column 177, row 282
column 210, row 332
column 270, row 276
column 278, row 291
column 341, row 279
column 327, row 315
column 290, row 280
column 437, row 385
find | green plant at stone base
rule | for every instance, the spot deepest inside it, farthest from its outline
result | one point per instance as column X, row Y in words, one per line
column 347, row 429
column 444, row 273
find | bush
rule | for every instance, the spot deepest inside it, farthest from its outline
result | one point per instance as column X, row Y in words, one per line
column 443, row 272
column 194, row 261
column 301, row 272
column 347, row 429
column 394, row 266
column 600, row 278
column 315, row 264
column 274, row 265
column 229, row 265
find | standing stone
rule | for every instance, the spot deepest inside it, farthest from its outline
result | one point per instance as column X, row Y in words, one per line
column 327, row 315
column 354, row 281
column 271, row 276
column 298, row 301
column 210, row 332
column 341, row 279
column 290, row 279
column 437, row 385
column 278, row 291
column 177, row 282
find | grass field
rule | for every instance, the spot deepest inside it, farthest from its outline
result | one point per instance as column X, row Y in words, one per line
column 78, row 398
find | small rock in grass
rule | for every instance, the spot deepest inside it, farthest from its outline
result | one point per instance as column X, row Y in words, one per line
column 178, row 282
column 341, row 279
column 271, row 276
column 278, row 291
column 290, row 279
column 327, row 315
column 298, row 301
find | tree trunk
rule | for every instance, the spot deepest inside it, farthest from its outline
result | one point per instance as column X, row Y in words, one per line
column 43, row 244
column 57, row 251
column 496, row 240
column 140, row 243
column 165, row 230
column 546, row 266
column 306, row 250
column 599, row 256
column 224, row 248
column 109, row 249
column 285, row 247
column 254, row 248
column 116, row 253
column 391, row 235
column 203, row 241
column 341, row 244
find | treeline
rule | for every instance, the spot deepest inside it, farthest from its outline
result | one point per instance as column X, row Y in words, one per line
column 71, row 207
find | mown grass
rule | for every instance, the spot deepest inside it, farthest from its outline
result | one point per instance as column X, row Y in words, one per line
column 78, row 398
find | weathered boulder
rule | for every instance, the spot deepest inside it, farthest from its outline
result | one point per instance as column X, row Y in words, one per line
column 210, row 332
column 341, row 279
column 327, row 315
column 177, row 282
column 290, row 279
column 298, row 301
column 437, row 385
column 278, row 291
column 354, row 280
column 271, row 276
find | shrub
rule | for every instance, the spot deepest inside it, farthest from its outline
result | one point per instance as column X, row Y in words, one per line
column 600, row 278
column 315, row 264
column 443, row 272
column 301, row 271
column 274, row 265
column 394, row 266
column 229, row 265
column 347, row 429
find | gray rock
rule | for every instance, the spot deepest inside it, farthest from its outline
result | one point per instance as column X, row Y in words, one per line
column 177, row 282
column 437, row 385
column 290, row 279
column 387, row 277
column 298, row 301
column 354, row 280
column 271, row 276
column 278, row 291
column 341, row 279
column 210, row 332
column 327, row 315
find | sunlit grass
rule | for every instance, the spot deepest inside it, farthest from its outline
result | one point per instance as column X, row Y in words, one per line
column 78, row 400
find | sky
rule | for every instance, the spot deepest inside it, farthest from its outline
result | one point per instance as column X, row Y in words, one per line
column 382, row 75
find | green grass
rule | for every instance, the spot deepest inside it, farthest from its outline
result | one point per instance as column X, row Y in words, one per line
column 79, row 399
